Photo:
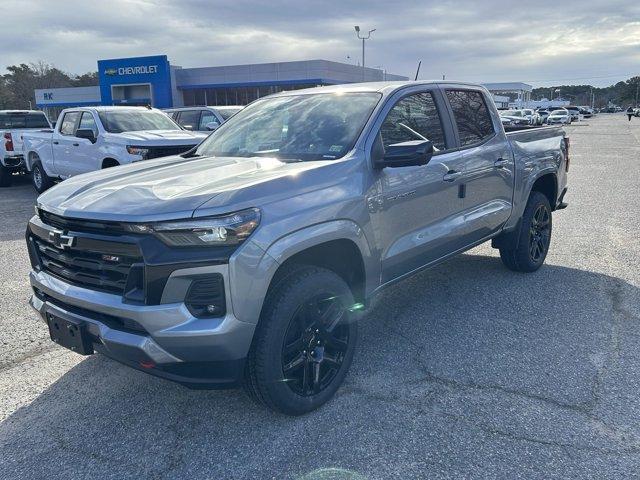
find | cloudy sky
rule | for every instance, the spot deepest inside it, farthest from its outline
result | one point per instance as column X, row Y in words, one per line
column 544, row 42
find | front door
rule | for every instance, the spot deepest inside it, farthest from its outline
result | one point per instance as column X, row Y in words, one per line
column 63, row 149
column 416, row 210
column 85, row 152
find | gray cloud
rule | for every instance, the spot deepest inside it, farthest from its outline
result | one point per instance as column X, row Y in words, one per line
column 542, row 43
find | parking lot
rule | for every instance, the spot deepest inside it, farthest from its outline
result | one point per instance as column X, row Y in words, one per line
column 467, row 370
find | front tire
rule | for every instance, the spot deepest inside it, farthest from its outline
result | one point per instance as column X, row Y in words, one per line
column 531, row 245
column 304, row 344
column 41, row 181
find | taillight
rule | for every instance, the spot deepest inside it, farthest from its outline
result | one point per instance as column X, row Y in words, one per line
column 8, row 142
column 566, row 148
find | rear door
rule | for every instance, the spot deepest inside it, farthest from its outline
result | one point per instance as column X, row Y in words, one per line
column 64, row 152
column 488, row 163
column 415, row 211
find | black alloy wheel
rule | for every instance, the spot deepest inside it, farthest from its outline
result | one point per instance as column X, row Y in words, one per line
column 539, row 233
column 315, row 345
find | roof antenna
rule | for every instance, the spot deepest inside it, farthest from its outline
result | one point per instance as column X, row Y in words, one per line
column 418, row 70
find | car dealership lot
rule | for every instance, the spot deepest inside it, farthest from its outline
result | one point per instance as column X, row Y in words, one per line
column 466, row 370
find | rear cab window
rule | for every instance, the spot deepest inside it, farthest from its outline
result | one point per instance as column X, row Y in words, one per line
column 471, row 116
column 11, row 120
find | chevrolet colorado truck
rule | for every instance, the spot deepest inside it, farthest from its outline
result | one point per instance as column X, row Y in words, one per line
column 13, row 125
column 249, row 260
column 92, row 138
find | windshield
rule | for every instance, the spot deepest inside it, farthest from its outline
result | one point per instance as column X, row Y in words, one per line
column 559, row 112
column 512, row 113
column 9, row 120
column 322, row 126
column 118, row 121
column 227, row 113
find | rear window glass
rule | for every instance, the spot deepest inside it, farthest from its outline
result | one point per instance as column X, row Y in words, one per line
column 471, row 115
column 23, row 120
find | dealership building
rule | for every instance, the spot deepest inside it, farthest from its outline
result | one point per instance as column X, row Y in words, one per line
column 154, row 81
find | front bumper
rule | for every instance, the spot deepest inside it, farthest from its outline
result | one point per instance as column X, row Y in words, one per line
column 164, row 340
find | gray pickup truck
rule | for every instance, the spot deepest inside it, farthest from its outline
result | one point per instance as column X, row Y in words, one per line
column 248, row 260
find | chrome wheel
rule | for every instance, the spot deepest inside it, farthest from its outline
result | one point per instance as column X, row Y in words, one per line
column 37, row 177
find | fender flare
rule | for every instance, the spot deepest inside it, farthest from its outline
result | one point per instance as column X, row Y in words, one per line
column 252, row 269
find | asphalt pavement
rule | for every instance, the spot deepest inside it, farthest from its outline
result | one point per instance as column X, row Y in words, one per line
column 467, row 370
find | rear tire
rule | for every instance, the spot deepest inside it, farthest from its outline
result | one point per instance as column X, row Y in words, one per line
column 41, row 181
column 304, row 343
column 531, row 245
column 5, row 176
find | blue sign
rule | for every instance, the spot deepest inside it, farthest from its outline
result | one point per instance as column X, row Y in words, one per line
column 131, row 76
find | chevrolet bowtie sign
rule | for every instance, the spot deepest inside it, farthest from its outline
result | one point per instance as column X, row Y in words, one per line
column 142, row 69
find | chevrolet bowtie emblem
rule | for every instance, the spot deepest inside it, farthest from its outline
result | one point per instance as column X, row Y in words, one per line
column 60, row 240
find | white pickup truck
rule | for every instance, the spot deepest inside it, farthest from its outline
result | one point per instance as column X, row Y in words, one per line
column 13, row 124
column 92, row 138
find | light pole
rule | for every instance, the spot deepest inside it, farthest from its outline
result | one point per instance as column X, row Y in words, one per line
column 363, row 38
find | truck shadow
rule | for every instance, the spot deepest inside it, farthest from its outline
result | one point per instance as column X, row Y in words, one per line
column 454, row 345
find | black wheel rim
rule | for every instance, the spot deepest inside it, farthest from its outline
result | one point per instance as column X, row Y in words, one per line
column 540, row 233
column 315, row 345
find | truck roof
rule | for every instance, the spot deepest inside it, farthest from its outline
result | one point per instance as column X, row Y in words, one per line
column 21, row 111
column 381, row 87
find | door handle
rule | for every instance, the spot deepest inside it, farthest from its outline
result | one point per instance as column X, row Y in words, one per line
column 76, row 144
column 451, row 175
column 55, row 142
column 501, row 163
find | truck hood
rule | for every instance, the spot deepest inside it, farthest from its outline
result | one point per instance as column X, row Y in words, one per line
column 174, row 188
column 163, row 137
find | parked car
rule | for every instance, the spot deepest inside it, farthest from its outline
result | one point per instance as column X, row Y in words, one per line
column 250, row 259
column 516, row 117
column 574, row 112
column 586, row 112
column 543, row 115
column 202, row 119
column 13, row 124
column 93, row 138
column 561, row 116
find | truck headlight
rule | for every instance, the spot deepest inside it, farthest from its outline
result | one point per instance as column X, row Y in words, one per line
column 231, row 229
column 133, row 150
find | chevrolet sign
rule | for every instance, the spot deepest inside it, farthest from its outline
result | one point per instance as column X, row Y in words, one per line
column 142, row 69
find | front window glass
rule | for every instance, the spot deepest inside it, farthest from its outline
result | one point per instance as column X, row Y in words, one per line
column 88, row 123
column 207, row 118
column 322, row 126
column 415, row 117
column 126, row 120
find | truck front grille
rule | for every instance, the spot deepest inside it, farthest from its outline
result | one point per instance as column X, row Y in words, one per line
column 157, row 152
column 94, row 270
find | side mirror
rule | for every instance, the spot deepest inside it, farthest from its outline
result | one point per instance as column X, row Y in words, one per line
column 87, row 134
column 405, row 154
column 211, row 126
